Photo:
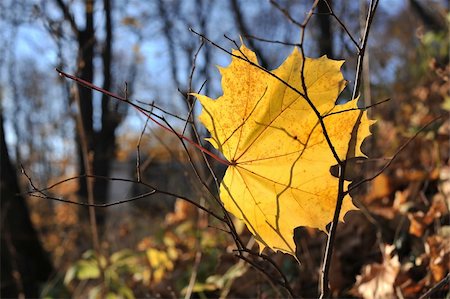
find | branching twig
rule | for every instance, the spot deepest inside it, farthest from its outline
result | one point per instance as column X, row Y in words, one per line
column 166, row 112
column 36, row 191
column 100, row 205
column 331, row 13
column 286, row 13
column 243, row 251
column 362, row 49
column 151, row 116
column 88, row 166
column 356, row 109
column 265, row 257
column 188, row 96
column 296, row 90
column 227, row 218
column 268, row 275
column 324, row 288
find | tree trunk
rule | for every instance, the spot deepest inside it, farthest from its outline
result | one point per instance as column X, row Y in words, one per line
column 245, row 30
column 100, row 142
column 86, row 43
column 432, row 20
column 326, row 35
column 25, row 264
column 105, row 142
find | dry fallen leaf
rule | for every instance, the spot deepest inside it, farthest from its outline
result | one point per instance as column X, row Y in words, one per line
column 438, row 248
column 420, row 220
column 377, row 280
column 279, row 173
column 380, row 187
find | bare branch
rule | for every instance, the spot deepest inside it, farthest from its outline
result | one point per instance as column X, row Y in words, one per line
column 151, row 116
column 40, row 193
column 153, row 106
column 304, row 95
column 331, row 12
column 324, row 287
column 265, row 257
column 190, row 103
column 138, row 152
column 271, row 41
column 359, row 68
column 355, row 109
column 87, row 159
column 286, row 13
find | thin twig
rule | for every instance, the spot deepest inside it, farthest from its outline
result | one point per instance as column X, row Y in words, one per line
column 138, row 152
column 303, row 82
column 271, row 41
column 268, row 275
column 152, row 117
column 205, row 160
column 355, row 109
column 396, row 154
column 194, row 272
column 359, row 67
column 272, row 262
column 166, row 112
column 87, row 157
column 296, row 90
column 102, row 205
column 444, row 281
column 241, row 263
column 286, row 13
column 342, row 25
column 188, row 96
column 227, row 218
column 326, row 264
column 154, row 190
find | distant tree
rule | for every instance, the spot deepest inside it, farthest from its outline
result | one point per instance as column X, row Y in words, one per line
column 25, row 264
column 101, row 142
column 325, row 39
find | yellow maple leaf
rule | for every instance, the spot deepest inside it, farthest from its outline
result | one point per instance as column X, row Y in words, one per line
column 279, row 174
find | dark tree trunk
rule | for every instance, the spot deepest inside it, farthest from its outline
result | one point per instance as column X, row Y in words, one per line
column 105, row 141
column 432, row 20
column 25, row 266
column 326, row 35
column 244, row 30
column 86, row 43
column 101, row 143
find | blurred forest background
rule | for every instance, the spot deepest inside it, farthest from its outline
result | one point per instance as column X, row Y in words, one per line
column 160, row 246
